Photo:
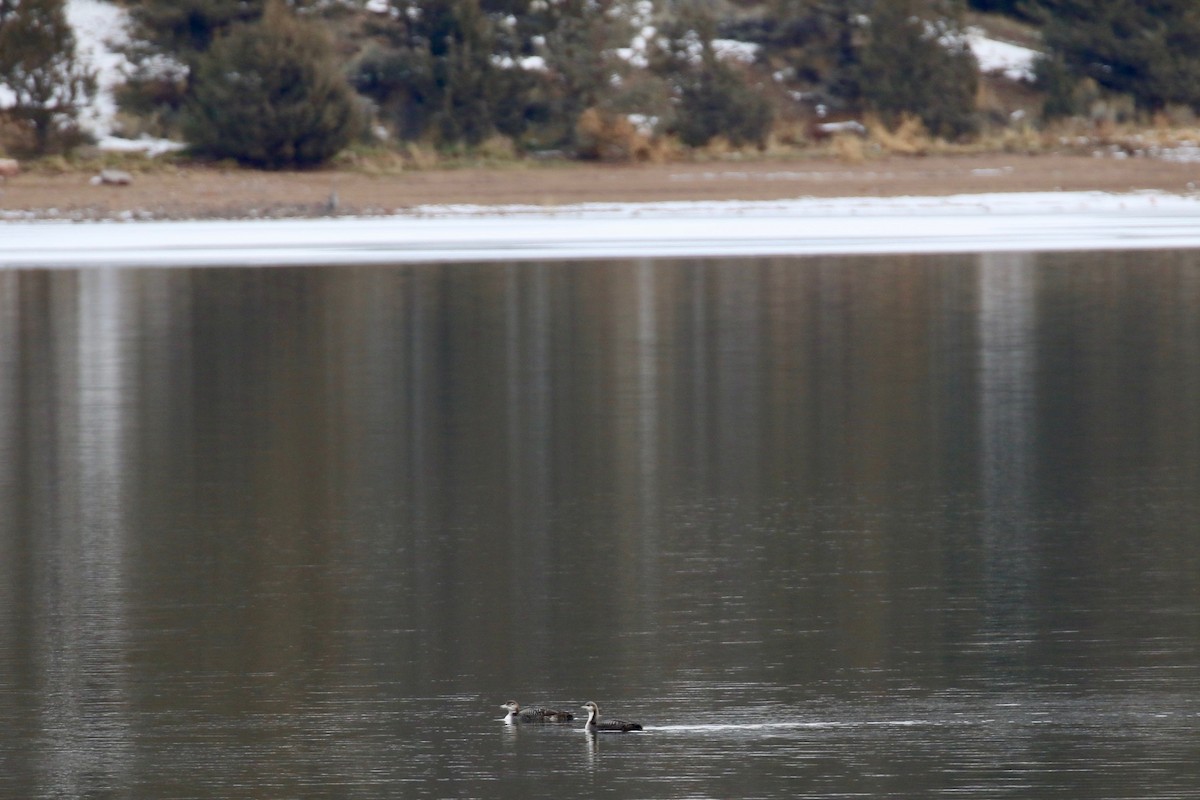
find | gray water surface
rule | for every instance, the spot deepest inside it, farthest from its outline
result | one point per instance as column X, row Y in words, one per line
column 835, row 527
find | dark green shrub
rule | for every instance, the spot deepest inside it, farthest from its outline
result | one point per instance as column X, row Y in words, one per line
column 466, row 79
column 399, row 80
column 185, row 28
column 580, row 38
column 1150, row 51
column 715, row 101
column 916, row 63
column 269, row 94
column 1059, row 85
column 435, row 74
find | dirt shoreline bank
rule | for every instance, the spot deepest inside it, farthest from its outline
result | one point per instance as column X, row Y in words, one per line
column 209, row 193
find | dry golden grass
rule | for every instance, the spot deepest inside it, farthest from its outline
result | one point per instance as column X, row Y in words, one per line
column 848, row 148
column 604, row 136
column 909, row 137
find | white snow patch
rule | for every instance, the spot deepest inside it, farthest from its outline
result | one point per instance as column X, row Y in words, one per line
column 143, row 144
column 1179, row 154
column 100, row 30
column 809, row 226
column 995, row 57
column 532, row 63
column 846, row 126
column 644, row 123
column 527, row 63
column 637, row 54
column 733, row 50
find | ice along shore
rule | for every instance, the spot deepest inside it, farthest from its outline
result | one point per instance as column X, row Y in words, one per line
column 1012, row 222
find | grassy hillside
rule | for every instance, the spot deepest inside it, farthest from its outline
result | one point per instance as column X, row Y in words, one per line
column 621, row 80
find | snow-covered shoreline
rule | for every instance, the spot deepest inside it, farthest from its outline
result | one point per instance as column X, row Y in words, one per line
column 1049, row 221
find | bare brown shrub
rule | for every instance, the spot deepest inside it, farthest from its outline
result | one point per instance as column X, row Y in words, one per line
column 604, row 136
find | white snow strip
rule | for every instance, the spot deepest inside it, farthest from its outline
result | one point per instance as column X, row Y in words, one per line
column 958, row 224
column 143, row 144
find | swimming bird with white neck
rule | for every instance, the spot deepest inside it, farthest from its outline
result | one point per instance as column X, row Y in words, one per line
column 538, row 714
column 595, row 725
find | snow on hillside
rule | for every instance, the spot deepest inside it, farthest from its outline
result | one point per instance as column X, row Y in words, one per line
column 1012, row 61
column 101, row 31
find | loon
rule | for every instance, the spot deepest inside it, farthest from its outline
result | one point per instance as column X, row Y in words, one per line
column 594, row 725
column 518, row 714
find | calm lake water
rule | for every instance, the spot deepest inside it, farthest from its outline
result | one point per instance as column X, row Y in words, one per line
column 874, row 527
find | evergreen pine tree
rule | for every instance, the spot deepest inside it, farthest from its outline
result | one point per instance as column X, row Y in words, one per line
column 166, row 40
column 916, row 62
column 1060, row 87
column 462, row 43
column 1148, row 50
column 399, row 80
column 715, row 101
column 438, row 71
column 819, row 40
column 713, row 98
column 581, row 37
column 270, row 94
column 183, row 29
column 39, row 67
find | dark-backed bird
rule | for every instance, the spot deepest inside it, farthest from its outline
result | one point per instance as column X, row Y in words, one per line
column 595, row 725
column 537, row 714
